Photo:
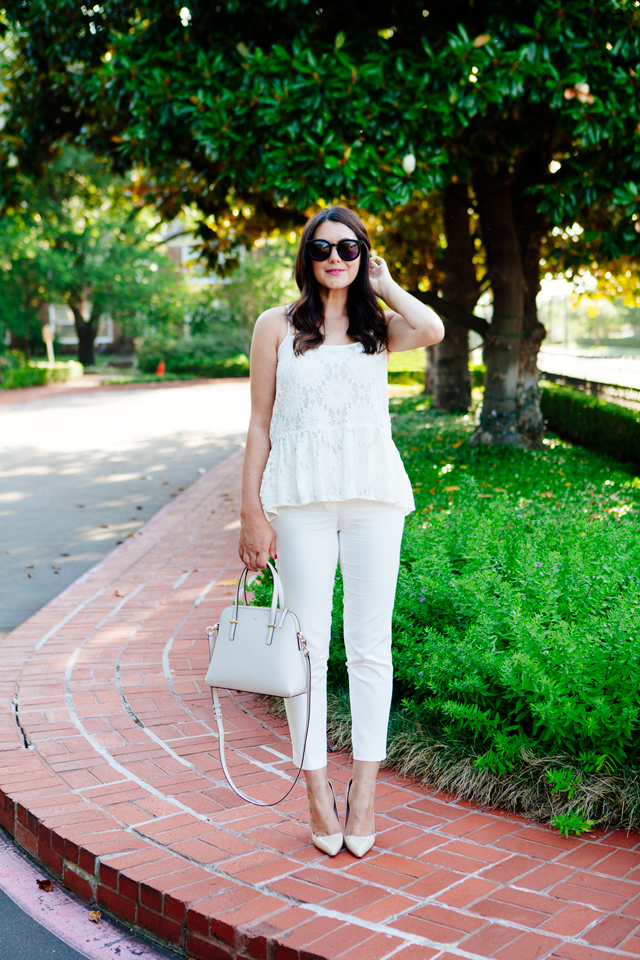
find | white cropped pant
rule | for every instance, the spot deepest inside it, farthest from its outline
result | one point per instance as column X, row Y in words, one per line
column 365, row 536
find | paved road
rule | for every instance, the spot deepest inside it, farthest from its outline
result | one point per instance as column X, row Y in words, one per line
column 620, row 371
column 80, row 473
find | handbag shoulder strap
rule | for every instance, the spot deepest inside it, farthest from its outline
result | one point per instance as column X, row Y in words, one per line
column 217, row 709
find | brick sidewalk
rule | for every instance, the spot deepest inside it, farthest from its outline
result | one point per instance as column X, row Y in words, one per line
column 121, row 795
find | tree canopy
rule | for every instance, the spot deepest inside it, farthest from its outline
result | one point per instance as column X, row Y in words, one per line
column 256, row 112
column 283, row 104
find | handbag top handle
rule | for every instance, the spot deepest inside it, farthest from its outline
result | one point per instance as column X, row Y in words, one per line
column 277, row 600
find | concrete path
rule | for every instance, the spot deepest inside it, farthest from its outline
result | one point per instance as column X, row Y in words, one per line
column 81, row 470
column 110, row 776
column 619, row 371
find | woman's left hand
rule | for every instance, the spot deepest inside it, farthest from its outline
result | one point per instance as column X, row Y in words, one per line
column 379, row 276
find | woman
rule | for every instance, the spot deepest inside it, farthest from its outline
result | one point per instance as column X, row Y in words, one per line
column 323, row 481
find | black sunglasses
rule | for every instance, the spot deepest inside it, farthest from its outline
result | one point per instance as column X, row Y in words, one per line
column 321, row 249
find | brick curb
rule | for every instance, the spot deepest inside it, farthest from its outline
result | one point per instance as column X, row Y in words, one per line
column 110, row 778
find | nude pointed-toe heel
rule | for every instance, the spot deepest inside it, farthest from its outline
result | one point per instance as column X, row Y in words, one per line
column 331, row 845
column 358, row 846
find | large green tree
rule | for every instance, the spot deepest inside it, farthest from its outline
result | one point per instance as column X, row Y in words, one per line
column 266, row 108
column 75, row 236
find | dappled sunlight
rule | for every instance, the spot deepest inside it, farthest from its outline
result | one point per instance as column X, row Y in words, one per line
column 88, row 478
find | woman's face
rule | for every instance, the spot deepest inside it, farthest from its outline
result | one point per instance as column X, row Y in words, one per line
column 335, row 273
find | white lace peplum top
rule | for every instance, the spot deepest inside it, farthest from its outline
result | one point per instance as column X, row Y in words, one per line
column 331, row 432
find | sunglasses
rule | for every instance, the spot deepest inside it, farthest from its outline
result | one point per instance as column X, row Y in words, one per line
column 321, row 249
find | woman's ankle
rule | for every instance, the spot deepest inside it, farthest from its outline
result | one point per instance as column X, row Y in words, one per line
column 322, row 815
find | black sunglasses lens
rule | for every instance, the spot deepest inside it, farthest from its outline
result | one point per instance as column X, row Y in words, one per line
column 319, row 250
column 348, row 249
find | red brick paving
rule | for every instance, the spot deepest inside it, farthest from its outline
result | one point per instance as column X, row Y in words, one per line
column 121, row 795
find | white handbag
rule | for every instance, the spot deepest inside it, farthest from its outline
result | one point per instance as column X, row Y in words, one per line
column 258, row 650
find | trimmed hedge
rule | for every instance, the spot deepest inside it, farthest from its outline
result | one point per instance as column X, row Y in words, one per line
column 203, row 355
column 39, row 372
column 581, row 418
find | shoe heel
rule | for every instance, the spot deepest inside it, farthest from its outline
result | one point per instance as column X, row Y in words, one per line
column 358, row 846
column 331, row 845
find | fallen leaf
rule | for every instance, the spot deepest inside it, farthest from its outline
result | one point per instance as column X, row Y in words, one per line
column 46, row 885
column 547, row 493
column 226, row 583
column 567, row 484
column 117, row 593
column 433, row 490
column 439, row 438
column 65, row 554
column 485, row 495
column 79, row 504
column 29, row 566
column 94, row 916
column 458, row 443
column 451, row 489
column 593, row 516
column 104, row 526
column 499, row 490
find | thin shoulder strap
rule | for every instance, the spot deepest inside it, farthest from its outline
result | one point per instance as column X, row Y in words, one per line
column 221, row 744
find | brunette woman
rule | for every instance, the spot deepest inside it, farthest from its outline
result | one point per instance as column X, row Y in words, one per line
column 323, row 482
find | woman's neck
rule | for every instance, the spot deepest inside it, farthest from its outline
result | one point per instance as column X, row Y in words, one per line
column 334, row 303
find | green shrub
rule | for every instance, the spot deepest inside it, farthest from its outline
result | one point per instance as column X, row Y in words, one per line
column 26, row 376
column 516, row 629
column 512, row 632
column 38, row 372
column 606, row 427
column 203, row 355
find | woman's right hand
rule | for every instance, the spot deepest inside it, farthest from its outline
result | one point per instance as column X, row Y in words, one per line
column 257, row 542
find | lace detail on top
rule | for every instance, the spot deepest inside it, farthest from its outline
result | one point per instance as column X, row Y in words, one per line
column 330, row 431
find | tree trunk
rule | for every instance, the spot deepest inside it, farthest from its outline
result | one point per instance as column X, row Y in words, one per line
column 498, row 420
column 87, row 331
column 531, row 227
column 429, row 373
column 18, row 342
column 452, row 380
column 530, row 419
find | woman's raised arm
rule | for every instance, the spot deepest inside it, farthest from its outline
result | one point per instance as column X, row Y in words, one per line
column 411, row 323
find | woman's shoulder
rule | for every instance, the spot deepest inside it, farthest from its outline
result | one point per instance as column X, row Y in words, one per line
column 273, row 324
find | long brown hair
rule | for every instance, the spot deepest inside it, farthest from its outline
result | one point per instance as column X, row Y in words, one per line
column 367, row 322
